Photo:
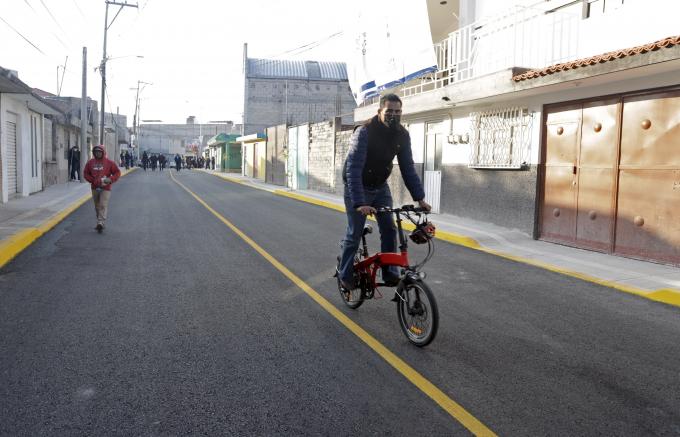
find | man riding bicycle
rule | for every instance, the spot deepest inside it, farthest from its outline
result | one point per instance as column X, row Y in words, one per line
column 367, row 167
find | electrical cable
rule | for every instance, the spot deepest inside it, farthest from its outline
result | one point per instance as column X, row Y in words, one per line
column 75, row 2
column 54, row 19
column 297, row 50
column 53, row 34
column 21, row 35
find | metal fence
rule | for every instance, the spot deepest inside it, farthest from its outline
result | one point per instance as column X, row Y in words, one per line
column 521, row 37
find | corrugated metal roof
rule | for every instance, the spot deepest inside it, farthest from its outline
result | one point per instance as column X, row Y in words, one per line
column 286, row 69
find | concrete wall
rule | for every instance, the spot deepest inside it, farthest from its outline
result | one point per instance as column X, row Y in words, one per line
column 503, row 197
column 270, row 102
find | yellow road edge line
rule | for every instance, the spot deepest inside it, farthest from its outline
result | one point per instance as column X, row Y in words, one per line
column 16, row 243
column 445, row 402
column 12, row 246
column 668, row 295
column 311, row 200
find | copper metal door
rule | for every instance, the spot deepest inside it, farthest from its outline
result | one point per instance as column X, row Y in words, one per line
column 595, row 175
column 648, row 216
column 558, row 213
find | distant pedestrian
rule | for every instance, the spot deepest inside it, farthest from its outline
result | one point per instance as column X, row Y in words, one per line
column 101, row 173
column 154, row 162
column 145, row 160
column 74, row 163
column 128, row 160
column 207, row 163
column 178, row 162
column 212, row 162
column 161, row 161
column 122, row 158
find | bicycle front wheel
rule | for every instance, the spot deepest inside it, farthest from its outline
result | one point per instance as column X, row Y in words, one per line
column 418, row 313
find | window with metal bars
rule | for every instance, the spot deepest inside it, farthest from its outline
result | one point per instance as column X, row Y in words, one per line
column 500, row 138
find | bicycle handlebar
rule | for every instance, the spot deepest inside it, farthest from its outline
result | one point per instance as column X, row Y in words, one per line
column 404, row 208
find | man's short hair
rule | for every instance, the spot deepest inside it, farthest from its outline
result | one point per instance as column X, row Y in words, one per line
column 389, row 98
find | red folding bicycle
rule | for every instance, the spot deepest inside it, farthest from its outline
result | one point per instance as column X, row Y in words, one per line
column 416, row 305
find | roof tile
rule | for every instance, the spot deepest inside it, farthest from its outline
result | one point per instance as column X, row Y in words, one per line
column 598, row 59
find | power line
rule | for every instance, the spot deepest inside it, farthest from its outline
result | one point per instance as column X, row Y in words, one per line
column 25, row 39
column 54, row 19
column 75, row 2
column 298, row 50
column 53, row 34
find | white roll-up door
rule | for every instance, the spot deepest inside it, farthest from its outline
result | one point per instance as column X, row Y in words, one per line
column 433, row 189
column 11, row 135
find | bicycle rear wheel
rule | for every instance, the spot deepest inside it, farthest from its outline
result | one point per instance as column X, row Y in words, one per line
column 352, row 298
column 418, row 313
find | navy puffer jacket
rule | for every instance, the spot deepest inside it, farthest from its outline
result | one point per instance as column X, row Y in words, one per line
column 356, row 161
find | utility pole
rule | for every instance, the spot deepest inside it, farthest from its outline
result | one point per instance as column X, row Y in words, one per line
column 135, row 118
column 83, row 119
column 102, row 68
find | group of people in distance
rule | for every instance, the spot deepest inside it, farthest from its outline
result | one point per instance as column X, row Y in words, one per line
column 153, row 161
column 126, row 159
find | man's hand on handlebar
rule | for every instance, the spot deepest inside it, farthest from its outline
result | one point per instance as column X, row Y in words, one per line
column 366, row 210
column 426, row 206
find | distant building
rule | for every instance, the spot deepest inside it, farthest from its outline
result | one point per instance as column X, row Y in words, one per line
column 188, row 138
column 294, row 92
column 62, row 133
column 116, row 135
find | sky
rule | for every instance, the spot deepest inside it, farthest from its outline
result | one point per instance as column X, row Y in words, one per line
column 192, row 50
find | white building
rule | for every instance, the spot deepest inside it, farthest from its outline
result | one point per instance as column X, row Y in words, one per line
column 21, row 137
column 559, row 118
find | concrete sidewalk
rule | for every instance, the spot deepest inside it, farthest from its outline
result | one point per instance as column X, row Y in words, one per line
column 25, row 219
column 653, row 281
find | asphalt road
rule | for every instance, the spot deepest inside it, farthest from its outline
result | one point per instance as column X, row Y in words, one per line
column 170, row 324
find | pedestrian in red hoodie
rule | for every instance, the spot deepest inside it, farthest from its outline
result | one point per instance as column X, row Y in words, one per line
column 101, row 173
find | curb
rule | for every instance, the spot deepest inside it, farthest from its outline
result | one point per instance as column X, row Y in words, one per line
column 668, row 296
column 17, row 243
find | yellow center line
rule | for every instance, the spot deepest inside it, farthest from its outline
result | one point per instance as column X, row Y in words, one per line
column 449, row 405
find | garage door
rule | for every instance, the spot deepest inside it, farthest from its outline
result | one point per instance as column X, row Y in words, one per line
column 11, row 136
column 648, row 224
column 612, row 176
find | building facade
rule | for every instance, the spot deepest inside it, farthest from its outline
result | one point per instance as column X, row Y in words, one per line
column 556, row 119
column 22, row 133
column 62, row 134
column 294, row 92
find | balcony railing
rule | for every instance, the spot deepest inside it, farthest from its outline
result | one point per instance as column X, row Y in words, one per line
column 521, row 37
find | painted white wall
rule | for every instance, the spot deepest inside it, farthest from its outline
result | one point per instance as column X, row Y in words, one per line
column 417, row 133
column 457, row 154
column 636, row 23
column 13, row 103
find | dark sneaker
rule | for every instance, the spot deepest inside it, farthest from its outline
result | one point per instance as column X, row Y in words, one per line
column 347, row 285
column 391, row 281
column 99, row 227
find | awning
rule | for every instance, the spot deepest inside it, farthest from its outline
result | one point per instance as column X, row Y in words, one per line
column 221, row 139
column 252, row 138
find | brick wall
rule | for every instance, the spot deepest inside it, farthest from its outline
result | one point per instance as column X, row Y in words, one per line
column 341, row 147
column 322, row 156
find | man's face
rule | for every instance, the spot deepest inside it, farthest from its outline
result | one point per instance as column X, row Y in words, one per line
column 390, row 114
column 98, row 154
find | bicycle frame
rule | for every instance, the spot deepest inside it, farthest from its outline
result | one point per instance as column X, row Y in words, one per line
column 371, row 264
